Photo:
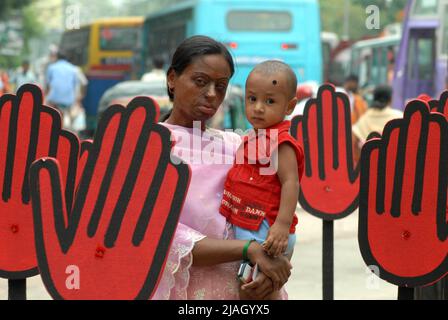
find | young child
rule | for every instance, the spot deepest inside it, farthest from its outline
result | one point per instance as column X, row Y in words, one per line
column 262, row 206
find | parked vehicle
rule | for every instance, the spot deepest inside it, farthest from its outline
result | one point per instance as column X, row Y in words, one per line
column 422, row 63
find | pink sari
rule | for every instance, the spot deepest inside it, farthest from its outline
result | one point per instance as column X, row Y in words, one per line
column 200, row 218
column 210, row 159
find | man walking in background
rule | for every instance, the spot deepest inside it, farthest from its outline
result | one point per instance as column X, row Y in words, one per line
column 357, row 103
column 24, row 75
column 157, row 73
column 61, row 86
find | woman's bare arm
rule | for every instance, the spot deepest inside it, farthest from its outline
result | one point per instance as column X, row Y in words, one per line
column 209, row 252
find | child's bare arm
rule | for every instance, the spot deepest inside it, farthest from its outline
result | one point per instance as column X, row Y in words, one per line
column 287, row 172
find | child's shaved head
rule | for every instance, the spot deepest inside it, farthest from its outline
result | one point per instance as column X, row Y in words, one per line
column 272, row 67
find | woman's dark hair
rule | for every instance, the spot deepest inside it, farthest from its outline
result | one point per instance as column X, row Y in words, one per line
column 193, row 47
column 382, row 96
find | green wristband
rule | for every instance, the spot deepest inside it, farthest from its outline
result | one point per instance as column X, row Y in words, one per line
column 246, row 247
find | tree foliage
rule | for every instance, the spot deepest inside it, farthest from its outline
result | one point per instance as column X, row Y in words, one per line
column 31, row 27
column 8, row 5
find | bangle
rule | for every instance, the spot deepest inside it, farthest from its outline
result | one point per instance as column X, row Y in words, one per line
column 246, row 248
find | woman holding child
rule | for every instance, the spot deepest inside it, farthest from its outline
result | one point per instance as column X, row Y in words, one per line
column 204, row 256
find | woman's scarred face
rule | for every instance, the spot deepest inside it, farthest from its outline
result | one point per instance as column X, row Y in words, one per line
column 201, row 88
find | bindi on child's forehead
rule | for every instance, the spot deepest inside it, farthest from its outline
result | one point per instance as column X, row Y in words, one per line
column 274, row 82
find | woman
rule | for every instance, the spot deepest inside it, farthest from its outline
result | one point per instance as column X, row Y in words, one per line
column 204, row 258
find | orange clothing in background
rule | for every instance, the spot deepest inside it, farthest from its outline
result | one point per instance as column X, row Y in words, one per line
column 359, row 107
column 5, row 88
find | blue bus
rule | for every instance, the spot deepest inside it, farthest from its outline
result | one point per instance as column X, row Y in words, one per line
column 253, row 30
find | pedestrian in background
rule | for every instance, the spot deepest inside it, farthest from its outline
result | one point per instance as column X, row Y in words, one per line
column 357, row 103
column 375, row 118
column 77, row 112
column 24, row 75
column 4, row 85
column 157, row 73
column 61, row 85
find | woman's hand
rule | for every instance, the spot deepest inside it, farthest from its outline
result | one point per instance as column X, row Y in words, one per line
column 277, row 269
column 258, row 289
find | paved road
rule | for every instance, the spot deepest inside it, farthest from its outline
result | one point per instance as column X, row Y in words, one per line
column 352, row 280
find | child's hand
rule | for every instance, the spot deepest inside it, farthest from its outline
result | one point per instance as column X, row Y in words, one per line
column 277, row 240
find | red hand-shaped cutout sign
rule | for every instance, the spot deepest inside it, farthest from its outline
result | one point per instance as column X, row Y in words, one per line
column 329, row 187
column 434, row 104
column 440, row 105
column 125, row 210
column 28, row 130
column 403, row 192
